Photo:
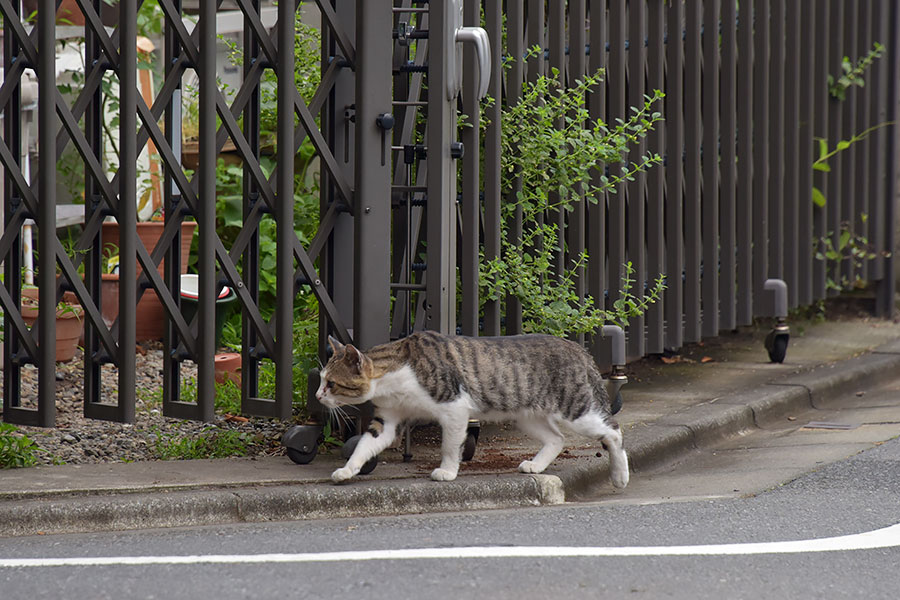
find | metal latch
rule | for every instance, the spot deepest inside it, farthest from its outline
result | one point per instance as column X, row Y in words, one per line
column 456, row 33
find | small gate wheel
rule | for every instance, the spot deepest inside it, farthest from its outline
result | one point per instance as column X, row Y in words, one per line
column 301, row 443
column 301, row 458
column 616, row 405
column 776, row 345
column 469, row 446
column 347, row 451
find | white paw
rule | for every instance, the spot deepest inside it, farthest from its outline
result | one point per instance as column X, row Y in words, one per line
column 443, row 475
column 342, row 474
column 619, row 477
column 528, row 466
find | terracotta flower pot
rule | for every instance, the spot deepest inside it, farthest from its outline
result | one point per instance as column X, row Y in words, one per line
column 150, row 313
column 69, row 322
column 228, row 367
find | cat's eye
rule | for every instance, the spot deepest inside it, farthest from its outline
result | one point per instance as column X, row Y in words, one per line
column 329, row 385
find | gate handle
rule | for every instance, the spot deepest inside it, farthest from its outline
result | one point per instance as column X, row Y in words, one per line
column 455, row 35
column 478, row 37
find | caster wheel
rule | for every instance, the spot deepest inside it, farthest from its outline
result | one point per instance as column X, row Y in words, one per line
column 616, row 404
column 469, row 447
column 347, row 451
column 301, row 458
column 776, row 345
column 301, row 443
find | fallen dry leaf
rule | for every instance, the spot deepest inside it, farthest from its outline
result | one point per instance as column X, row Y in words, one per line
column 235, row 418
column 707, row 359
column 670, row 361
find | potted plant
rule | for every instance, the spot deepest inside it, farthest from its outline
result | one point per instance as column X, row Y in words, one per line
column 69, row 321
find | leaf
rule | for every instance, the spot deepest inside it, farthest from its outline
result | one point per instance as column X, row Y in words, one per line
column 707, row 359
column 843, row 145
column 818, row 197
column 821, row 166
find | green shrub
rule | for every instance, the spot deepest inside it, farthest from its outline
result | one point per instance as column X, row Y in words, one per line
column 16, row 449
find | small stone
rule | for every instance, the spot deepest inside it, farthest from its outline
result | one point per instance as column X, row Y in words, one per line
column 69, row 438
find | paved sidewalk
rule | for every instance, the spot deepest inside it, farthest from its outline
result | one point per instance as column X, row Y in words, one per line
column 708, row 392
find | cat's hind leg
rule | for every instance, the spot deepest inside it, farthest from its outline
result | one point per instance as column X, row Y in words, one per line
column 546, row 432
column 605, row 429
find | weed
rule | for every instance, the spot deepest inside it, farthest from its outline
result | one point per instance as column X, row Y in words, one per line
column 16, row 449
column 211, row 443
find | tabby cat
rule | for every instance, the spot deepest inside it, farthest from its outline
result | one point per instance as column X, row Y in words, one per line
column 539, row 381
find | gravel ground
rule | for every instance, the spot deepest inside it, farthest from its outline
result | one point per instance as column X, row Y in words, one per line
column 77, row 440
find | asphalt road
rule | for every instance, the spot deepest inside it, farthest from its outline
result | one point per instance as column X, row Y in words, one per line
column 712, row 510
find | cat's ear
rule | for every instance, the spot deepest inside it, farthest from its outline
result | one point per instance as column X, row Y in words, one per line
column 336, row 346
column 359, row 361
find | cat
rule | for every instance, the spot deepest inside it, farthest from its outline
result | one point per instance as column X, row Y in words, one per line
column 540, row 381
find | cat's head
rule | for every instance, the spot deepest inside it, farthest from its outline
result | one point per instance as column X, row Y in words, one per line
column 346, row 379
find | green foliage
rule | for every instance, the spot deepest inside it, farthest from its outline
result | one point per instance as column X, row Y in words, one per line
column 211, row 443
column 849, row 246
column 16, row 449
column 550, row 144
column 825, row 153
column 852, row 74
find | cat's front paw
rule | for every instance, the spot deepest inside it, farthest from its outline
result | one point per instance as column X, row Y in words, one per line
column 341, row 475
column 527, row 466
column 443, row 475
column 619, row 477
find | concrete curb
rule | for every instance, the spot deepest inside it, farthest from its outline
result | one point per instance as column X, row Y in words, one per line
column 127, row 511
column 710, row 422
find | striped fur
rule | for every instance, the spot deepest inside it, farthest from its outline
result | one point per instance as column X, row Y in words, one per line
column 541, row 382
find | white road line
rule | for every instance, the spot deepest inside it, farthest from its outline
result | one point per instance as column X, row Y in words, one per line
column 889, row 537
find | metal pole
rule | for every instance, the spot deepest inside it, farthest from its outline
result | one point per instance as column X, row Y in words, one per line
column 46, row 218
column 440, row 277
column 206, row 218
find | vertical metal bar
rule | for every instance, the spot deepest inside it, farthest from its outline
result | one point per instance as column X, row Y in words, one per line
column 93, row 123
column 616, row 86
column 596, row 232
column 884, row 299
column 337, row 260
column 790, row 231
column 820, row 130
column 776, row 140
column 760, row 151
column 848, row 213
column 12, row 261
column 746, row 167
column 46, row 218
column 728, row 222
column 674, row 295
column 710, row 165
column 807, row 82
column 656, row 254
column 576, row 232
column 492, row 249
column 371, row 317
column 536, row 38
column 515, row 31
column 834, row 134
column 249, row 335
column 637, row 251
column 206, row 217
column 556, row 26
column 440, row 277
column 862, row 212
column 692, row 205
column 470, row 183
column 171, row 198
column 878, row 140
